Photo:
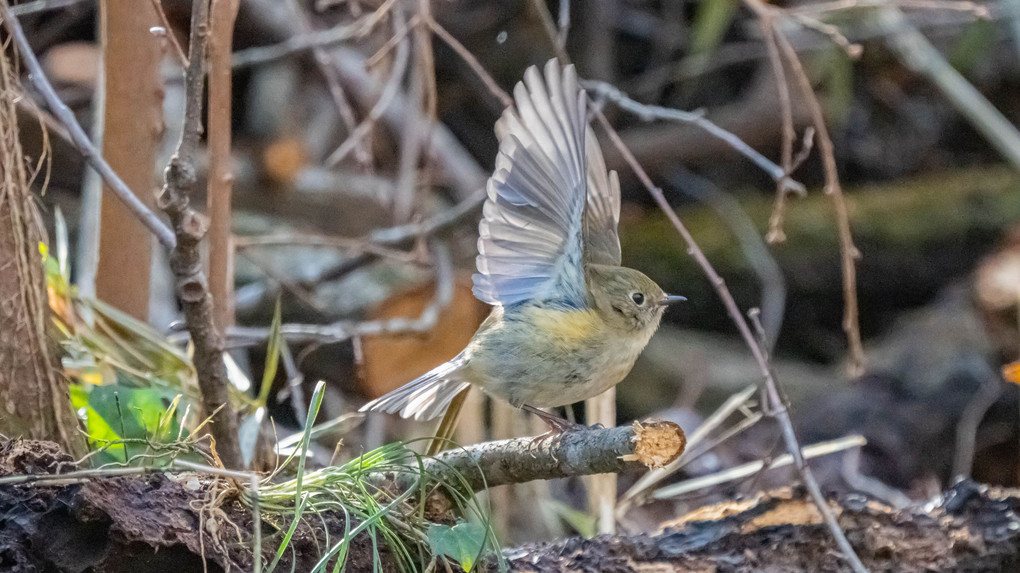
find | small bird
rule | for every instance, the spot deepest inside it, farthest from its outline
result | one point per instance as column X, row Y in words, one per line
column 567, row 321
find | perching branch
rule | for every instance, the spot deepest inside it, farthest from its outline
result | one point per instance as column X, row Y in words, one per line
column 78, row 136
column 580, row 453
column 186, row 261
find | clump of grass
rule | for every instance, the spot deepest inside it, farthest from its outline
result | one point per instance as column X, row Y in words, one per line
column 381, row 494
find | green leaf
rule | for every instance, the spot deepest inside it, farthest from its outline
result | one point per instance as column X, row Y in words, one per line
column 463, row 542
column 272, row 356
column 79, row 396
column 136, row 410
column 99, row 430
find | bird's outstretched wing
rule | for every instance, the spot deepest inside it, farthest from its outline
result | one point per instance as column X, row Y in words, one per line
column 602, row 215
column 529, row 245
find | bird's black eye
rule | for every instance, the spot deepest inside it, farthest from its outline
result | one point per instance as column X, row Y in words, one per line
column 638, row 298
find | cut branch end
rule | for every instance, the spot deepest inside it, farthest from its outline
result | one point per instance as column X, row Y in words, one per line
column 657, row 444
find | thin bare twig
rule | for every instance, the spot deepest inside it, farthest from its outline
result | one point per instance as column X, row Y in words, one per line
column 81, row 140
column 472, row 62
column 775, row 233
column 182, row 58
column 445, row 151
column 186, row 260
column 847, row 250
column 345, row 330
column 563, row 25
column 644, row 484
column 977, row 10
column 423, row 39
column 752, row 468
column 354, row 245
column 310, row 40
column 545, row 18
column 304, row 294
column 416, row 127
column 603, row 90
column 851, row 472
column 326, row 66
column 386, row 96
column 833, row 33
column 973, row 413
column 770, row 387
column 756, row 252
column 42, row 6
column 402, row 234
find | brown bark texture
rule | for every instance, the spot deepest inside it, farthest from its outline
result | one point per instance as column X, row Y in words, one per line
column 221, row 176
column 33, row 398
column 574, row 453
column 186, row 258
column 133, row 125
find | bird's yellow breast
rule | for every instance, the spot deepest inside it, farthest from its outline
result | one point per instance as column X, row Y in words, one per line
column 566, row 328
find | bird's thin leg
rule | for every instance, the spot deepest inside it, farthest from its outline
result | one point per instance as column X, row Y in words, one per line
column 557, row 425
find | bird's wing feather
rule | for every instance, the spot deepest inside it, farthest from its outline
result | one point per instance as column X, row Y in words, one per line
column 530, row 237
column 602, row 214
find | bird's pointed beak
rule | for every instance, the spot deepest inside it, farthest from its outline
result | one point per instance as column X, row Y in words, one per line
column 672, row 299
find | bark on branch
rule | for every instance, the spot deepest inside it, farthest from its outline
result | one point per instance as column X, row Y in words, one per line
column 586, row 452
column 186, row 260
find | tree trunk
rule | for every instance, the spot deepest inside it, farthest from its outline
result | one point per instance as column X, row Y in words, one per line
column 133, row 127
column 33, row 398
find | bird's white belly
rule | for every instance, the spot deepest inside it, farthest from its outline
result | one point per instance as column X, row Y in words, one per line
column 602, row 376
column 548, row 373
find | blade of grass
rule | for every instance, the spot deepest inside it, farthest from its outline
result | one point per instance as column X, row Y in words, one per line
column 272, row 355
column 313, row 411
column 285, row 542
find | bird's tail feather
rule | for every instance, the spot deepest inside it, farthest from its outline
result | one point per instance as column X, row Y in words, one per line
column 426, row 397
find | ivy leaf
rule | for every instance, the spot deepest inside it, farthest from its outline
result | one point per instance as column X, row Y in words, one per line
column 463, row 542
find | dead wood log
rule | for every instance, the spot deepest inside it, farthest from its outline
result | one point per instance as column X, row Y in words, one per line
column 970, row 528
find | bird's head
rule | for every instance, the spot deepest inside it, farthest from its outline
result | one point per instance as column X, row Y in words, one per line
column 627, row 299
